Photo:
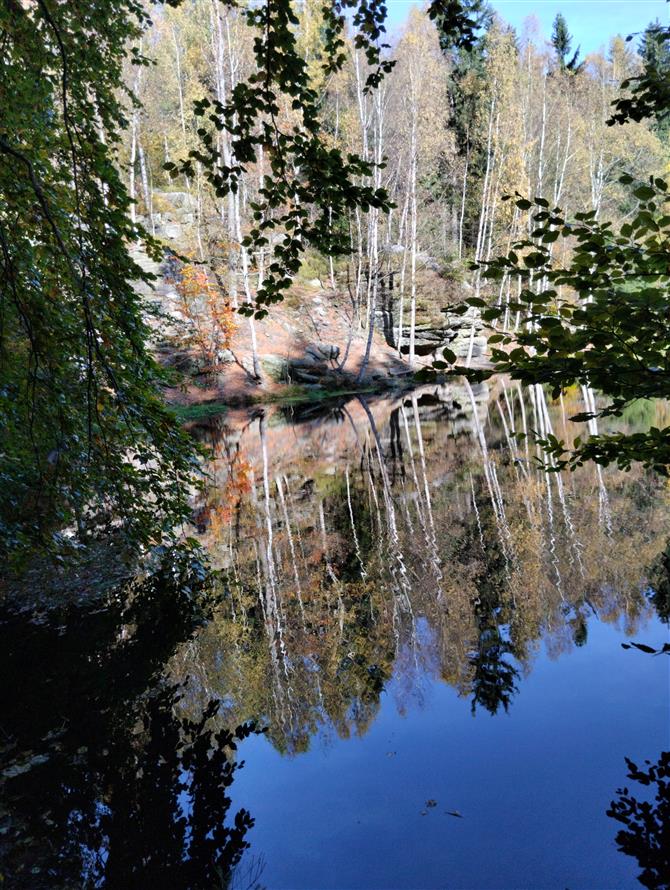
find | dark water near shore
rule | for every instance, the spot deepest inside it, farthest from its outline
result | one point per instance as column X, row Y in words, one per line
column 426, row 628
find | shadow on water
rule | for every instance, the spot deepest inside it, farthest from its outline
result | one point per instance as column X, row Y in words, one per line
column 104, row 782
column 646, row 832
column 646, row 819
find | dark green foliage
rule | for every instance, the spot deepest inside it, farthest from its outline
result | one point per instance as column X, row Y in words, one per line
column 648, row 95
column 654, row 48
column 458, row 21
column 85, row 440
column 655, row 54
column 467, row 84
column 599, row 320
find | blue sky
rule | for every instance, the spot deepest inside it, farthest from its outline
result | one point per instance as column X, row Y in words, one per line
column 591, row 22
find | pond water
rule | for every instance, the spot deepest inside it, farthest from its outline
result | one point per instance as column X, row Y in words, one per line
column 406, row 673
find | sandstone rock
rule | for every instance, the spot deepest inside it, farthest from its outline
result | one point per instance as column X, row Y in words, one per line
column 308, row 362
column 461, row 346
column 322, row 351
column 276, row 367
column 179, row 200
column 172, row 230
column 248, row 365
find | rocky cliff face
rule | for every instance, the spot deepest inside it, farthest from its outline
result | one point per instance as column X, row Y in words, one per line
column 308, row 340
column 436, row 326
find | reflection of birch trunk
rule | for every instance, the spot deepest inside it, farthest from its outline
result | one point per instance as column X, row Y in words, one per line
column 354, row 536
column 398, row 566
column 476, row 511
column 426, row 521
column 274, row 618
column 546, row 429
column 329, row 569
column 296, row 574
column 604, row 510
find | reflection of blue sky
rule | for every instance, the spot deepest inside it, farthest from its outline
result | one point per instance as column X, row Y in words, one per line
column 532, row 785
column 592, row 22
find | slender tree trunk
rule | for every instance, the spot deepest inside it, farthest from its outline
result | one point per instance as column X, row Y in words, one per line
column 413, row 236
column 146, row 193
column 461, row 220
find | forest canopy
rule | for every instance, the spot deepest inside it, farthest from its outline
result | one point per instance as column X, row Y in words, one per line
column 300, row 130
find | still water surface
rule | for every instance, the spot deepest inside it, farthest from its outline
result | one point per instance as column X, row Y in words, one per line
column 427, row 628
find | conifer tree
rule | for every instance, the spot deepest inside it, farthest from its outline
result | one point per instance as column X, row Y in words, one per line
column 561, row 40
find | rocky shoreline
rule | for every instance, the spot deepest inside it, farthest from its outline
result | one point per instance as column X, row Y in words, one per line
column 309, row 346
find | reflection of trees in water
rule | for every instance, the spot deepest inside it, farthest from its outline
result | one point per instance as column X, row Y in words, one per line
column 646, row 832
column 659, row 591
column 103, row 782
column 424, row 513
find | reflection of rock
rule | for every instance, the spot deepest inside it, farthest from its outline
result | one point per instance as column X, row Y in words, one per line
column 452, row 402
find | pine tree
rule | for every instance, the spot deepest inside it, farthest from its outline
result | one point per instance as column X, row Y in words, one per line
column 655, row 52
column 561, row 40
column 467, row 84
column 654, row 48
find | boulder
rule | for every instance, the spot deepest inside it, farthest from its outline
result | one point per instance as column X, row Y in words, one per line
column 461, row 346
column 179, row 200
column 248, row 365
column 323, row 351
column 276, row 367
column 308, row 362
column 172, row 230
column 225, row 357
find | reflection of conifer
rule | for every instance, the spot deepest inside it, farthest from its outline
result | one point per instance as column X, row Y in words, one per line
column 493, row 683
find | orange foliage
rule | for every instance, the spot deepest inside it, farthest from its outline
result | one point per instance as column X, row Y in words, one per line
column 237, row 484
column 209, row 311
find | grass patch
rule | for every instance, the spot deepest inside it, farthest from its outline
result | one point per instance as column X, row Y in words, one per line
column 295, row 394
column 198, row 412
